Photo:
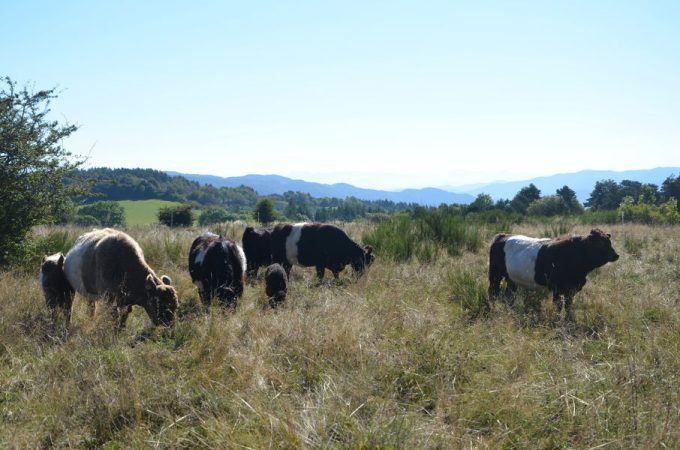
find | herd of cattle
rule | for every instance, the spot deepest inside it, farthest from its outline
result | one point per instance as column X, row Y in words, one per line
column 109, row 264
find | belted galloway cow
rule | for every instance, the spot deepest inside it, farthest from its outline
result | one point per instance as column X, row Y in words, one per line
column 560, row 264
column 109, row 264
column 217, row 266
column 320, row 245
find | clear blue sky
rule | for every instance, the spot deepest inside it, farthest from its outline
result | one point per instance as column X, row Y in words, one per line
column 379, row 94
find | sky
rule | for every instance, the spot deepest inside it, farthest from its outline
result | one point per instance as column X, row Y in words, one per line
column 382, row 94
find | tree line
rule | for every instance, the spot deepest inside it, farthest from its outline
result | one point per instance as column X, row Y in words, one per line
column 41, row 183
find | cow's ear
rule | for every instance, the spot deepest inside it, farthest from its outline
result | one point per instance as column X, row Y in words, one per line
column 166, row 280
column 609, row 235
column 368, row 249
column 150, row 283
column 60, row 261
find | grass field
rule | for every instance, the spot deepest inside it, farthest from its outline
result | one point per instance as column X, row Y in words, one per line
column 396, row 359
column 143, row 212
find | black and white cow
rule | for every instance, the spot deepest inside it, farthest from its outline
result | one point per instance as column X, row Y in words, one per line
column 561, row 264
column 217, row 266
column 257, row 247
column 320, row 245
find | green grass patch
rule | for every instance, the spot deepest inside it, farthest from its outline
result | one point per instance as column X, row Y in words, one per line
column 143, row 212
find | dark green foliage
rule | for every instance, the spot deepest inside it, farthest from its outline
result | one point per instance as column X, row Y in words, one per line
column 569, row 199
column 176, row 216
column 670, row 188
column 33, row 165
column 215, row 215
column 608, row 194
column 524, row 197
column 264, row 211
column 148, row 184
column 106, row 213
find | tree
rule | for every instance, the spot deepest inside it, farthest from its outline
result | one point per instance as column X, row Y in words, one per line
column 483, row 202
column 524, row 197
column 264, row 211
column 606, row 195
column 176, row 216
column 107, row 214
column 571, row 203
column 670, row 189
column 33, row 165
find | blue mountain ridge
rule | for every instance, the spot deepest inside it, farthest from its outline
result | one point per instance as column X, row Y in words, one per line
column 581, row 182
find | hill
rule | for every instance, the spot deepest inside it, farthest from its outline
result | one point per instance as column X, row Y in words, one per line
column 581, row 182
column 277, row 184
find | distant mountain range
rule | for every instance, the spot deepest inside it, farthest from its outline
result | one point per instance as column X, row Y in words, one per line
column 276, row 184
column 581, row 182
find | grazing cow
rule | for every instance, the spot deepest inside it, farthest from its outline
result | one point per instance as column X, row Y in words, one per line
column 320, row 245
column 217, row 266
column 559, row 264
column 56, row 288
column 110, row 264
column 276, row 284
column 257, row 247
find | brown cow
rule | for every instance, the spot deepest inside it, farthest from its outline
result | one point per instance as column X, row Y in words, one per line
column 110, row 264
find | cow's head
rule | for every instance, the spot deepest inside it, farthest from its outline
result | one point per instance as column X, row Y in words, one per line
column 599, row 248
column 364, row 260
column 161, row 300
column 53, row 280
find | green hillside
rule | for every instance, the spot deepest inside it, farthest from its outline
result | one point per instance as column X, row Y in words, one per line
column 143, row 212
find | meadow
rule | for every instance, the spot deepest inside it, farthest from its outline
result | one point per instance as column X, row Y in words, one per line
column 404, row 357
column 143, row 212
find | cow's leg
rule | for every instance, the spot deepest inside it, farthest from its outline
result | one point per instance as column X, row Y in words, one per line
column 510, row 290
column 123, row 312
column 569, row 312
column 320, row 272
column 557, row 300
column 287, row 267
column 336, row 274
column 495, row 278
column 67, row 307
column 90, row 306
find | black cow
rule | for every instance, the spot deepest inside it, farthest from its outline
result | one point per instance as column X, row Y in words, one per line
column 56, row 288
column 217, row 266
column 320, row 245
column 559, row 264
column 257, row 247
column 276, row 284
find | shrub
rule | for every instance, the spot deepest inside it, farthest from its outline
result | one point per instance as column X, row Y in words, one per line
column 106, row 214
column 215, row 215
column 176, row 216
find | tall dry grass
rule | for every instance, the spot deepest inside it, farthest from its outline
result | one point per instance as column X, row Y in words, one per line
column 405, row 357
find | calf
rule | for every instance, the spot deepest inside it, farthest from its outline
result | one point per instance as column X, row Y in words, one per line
column 320, row 245
column 561, row 264
column 257, row 248
column 217, row 266
column 56, row 288
column 110, row 264
column 276, row 284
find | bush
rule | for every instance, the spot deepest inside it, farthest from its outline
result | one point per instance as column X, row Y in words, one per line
column 215, row 215
column 106, row 214
column 176, row 216
column 403, row 237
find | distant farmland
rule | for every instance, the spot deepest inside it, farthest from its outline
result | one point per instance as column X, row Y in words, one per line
column 143, row 212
